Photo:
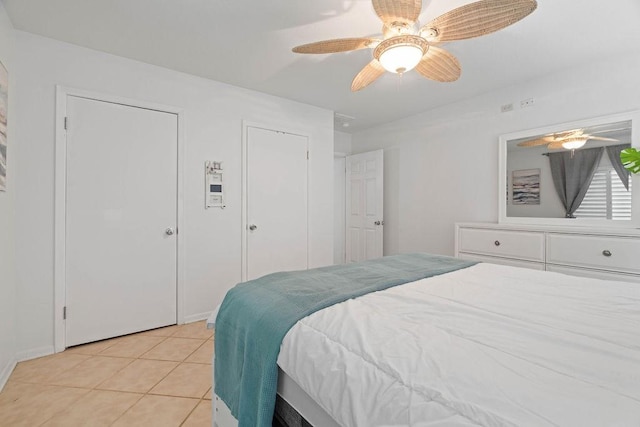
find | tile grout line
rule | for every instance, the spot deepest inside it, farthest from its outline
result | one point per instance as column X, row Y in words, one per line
column 163, row 378
column 95, row 355
column 65, row 408
column 148, row 392
column 129, row 408
column 163, row 340
column 192, row 411
column 89, row 390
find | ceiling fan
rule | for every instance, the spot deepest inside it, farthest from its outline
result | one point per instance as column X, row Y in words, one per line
column 404, row 45
column 569, row 140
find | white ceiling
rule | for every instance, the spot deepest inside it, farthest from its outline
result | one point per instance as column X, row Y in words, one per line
column 248, row 43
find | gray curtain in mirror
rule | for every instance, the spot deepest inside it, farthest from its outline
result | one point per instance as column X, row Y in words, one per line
column 614, row 155
column 572, row 173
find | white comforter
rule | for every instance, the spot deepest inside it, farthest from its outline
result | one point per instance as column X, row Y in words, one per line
column 488, row 345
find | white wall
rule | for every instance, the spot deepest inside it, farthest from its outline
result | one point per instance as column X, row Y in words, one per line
column 441, row 166
column 7, row 212
column 214, row 114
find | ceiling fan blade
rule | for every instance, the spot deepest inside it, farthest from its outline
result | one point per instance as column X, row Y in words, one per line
column 336, row 45
column 535, row 142
column 479, row 18
column 556, row 145
column 568, row 133
column 579, row 133
column 600, row 138
column 402, row 11
column 439, row 65
column 367, row 75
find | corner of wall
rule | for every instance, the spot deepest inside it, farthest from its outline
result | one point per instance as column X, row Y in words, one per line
column 341, row 142
column 6, row 372
column 8, row 276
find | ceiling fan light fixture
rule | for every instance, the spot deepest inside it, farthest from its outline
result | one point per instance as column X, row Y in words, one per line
column 400, row 59
column 401, row 54
column 574, row 144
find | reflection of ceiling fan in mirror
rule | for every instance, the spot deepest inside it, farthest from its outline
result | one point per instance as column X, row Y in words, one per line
column 569, row 140
column 404, row 45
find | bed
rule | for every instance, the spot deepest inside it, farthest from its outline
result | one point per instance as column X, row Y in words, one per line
column 471, row 344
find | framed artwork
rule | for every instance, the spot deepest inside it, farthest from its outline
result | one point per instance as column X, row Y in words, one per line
column 525, row 187
column 4, row 104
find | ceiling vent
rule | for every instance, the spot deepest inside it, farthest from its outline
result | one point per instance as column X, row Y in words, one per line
column 341, row 122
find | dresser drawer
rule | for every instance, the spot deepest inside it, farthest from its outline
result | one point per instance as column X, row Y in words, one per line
column 509, row 244
column 603, row 252
column 594, row 274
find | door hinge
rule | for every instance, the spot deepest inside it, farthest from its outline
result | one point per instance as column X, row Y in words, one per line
column 66, row 123
column 307, row 154
column 64, row 313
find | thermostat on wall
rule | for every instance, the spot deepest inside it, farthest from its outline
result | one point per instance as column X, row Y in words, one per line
column 214, row 197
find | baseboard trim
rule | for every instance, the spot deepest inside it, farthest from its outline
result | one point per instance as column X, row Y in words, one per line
column 197, row 317
column 34, row 353
column 6, row 372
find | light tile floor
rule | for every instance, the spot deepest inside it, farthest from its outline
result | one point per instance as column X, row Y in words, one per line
column 155, row 378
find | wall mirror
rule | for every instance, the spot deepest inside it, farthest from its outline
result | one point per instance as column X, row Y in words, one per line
column 570, row 174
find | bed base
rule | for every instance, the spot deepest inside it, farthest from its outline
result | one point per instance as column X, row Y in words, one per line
column 290, row 391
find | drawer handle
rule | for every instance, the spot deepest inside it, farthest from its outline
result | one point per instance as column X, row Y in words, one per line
column 606, row 253
column 497, row 243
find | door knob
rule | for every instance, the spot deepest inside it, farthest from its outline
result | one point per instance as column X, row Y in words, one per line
column 253, row 227
column 377, row 223
column 169, row 231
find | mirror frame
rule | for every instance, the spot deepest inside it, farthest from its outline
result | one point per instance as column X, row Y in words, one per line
column 634, row 116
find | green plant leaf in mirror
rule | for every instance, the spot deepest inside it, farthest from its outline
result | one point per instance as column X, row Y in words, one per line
column 630, row 159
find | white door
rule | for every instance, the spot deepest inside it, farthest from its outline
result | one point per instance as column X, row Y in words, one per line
column 121, row 214
column 364, row 206
column 276, row 202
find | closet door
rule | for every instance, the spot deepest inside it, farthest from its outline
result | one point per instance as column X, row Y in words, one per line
column 365, row 223
column 121, row 214
column 276, row 197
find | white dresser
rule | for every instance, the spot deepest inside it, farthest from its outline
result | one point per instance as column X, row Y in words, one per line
column 599, row 253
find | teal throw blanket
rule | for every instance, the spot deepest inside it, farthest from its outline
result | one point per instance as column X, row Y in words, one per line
column 256, row 315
